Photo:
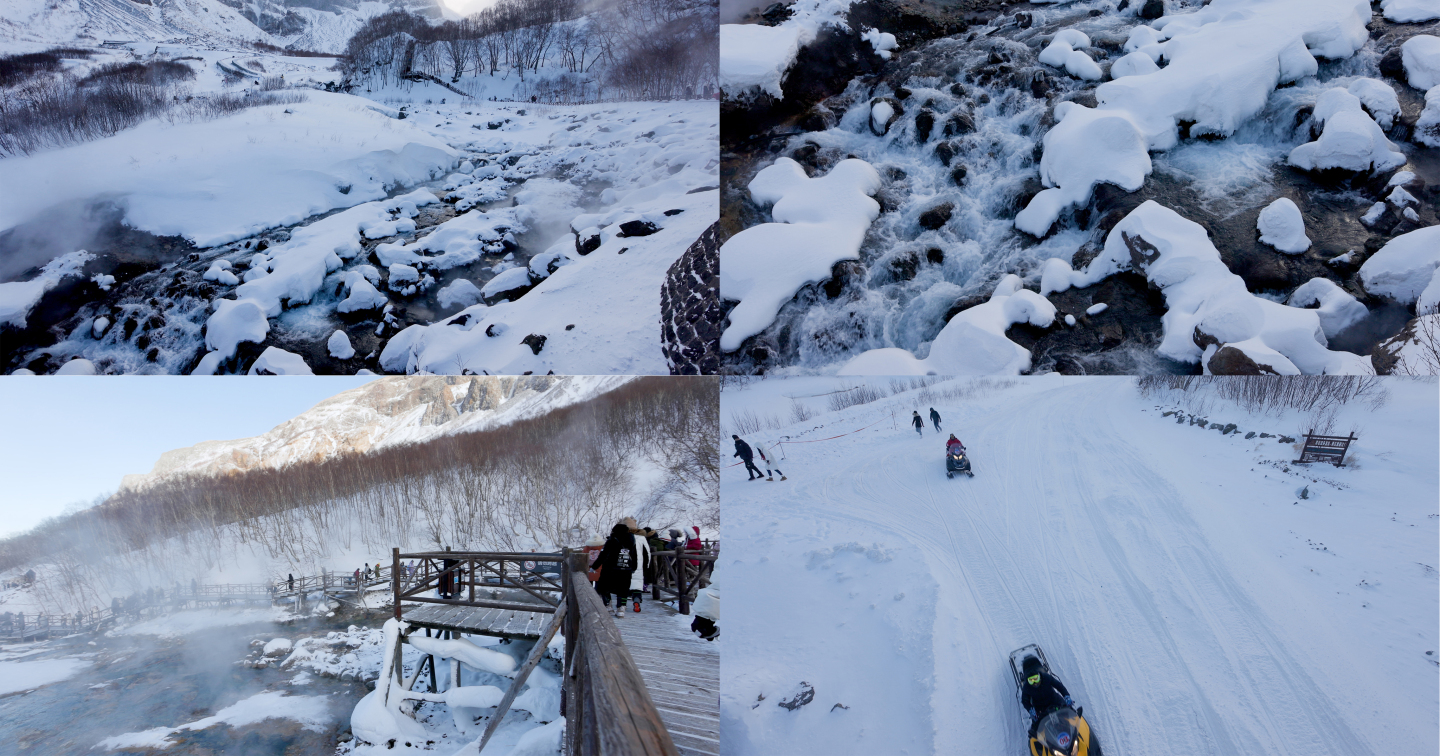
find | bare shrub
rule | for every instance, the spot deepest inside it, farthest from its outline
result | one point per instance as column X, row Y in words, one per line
column 800, row 411
column 862, row 394
column 1273, row 394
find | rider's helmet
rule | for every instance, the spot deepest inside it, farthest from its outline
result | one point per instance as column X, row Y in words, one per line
column 1031, row 668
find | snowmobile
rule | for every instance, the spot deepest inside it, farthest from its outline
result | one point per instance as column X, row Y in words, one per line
column 1059, row 732
column 957, row 463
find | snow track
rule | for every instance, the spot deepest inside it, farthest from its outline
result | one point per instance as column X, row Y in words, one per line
column 1069, row 536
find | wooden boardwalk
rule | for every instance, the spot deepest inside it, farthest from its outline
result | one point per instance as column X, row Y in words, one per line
column 682, row 673
column 479, row 620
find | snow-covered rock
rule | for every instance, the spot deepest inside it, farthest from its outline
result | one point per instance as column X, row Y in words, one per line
column 1427, row 129
column 1087, row 146
column 100, row 326
column 1410, row 11
column 1351, row 141
column 1061, row 53
column 818, row 222
column 1421, row 56
column 277, row 361
column 460, row 293
column 220, row 272
column 234, row 321
column 509, row 285
column 1404, row 267
column 1133, row 64
column 1282, row 227
column 1378, row 98
column 18, row 298
column 881, row 114
column 363, row 296
column 339, row 345
column 756, row 57
column 1096, row 308
column 881, row 42
column 77, row 366
column 972, row 343
column 1338, row 309
column 278, row 647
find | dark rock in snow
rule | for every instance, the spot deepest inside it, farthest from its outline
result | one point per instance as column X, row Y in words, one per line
column 1152, row 9
column 803, row 695
column 535, row 341
column 1231, row 361
column 638, row 228
column 924, row 122
column 584, row 245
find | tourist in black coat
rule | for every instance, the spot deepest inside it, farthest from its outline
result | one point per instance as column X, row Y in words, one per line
column 617, row 563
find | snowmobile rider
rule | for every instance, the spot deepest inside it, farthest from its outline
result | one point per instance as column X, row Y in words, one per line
column 918, row 422
column 935, row 418
column 1042, row 693
column 953, row 447
column 743, row 451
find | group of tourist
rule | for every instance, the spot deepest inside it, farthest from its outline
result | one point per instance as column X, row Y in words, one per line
column 625, row 566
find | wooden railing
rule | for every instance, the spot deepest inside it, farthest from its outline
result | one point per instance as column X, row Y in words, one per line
column 455, row 575
column 607, row 708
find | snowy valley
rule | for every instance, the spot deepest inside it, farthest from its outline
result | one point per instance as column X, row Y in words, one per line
column 1086, row 187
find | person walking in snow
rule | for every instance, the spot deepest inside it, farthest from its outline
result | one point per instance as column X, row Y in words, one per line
column 292, row 581
column 935, row 418
column 743, row 451
column 918, row 422
column 769, row 475
column 616, row 562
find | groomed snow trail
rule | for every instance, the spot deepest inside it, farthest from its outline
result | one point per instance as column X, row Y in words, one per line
column 1073, row 534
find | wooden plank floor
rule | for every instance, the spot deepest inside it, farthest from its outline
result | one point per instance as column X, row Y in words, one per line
column 682, row 673
column 501, row 623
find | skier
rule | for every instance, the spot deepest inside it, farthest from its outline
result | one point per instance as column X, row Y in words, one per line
column 617, row 561
column 1042, row 693
column 742, row 450
column 769, row 475
column 918, row 422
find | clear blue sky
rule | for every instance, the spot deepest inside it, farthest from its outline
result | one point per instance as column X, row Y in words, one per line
column 65, row 439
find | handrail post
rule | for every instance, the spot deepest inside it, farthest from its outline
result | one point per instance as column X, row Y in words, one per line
column 680, row 582
column 395, row 577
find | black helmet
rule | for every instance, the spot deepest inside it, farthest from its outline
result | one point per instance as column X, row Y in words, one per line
column 1031, row 666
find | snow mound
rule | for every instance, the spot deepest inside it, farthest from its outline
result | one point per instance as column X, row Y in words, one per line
column 972, row 343
column 881, row 42
column 312, row 712
column 1339, row 309
column 1207, row 307
column 1379, row 98
column 234, row 321
column 1224, row 60
column 278, row 646
column 277, row 361
column 1410, row 11
column 818, row 222
column 1351, row 140
column 18, row 298
column 1404, row 267
column 1421, row 56
column 16, row 676
column 339, row 345
column 756, row 57
column 1282, row 227
column 458, row 293
column 1062, row 53
column 1133, row 64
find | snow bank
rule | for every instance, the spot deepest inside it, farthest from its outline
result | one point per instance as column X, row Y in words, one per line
column 1427, row 128
column 226, row 179
column 1410, row 11
column 1224, row 60
column 1404, row 267
column 972, row 343
column 312, row 712
column 756, row 57
column 1421, row 56
column 541, row 741
column 18, row 298
column 460, row 240
column 1207, row 306
column 1379, row 98
column 1282, row 227
column 1133, row 64
column 818, row 222
column 184, row 623
column 277, row 361
column 234, row 321
column 16, row 676
column 458, row 293
column 1339, row 309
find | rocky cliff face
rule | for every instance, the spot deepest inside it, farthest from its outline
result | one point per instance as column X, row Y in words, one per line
column 387, row 412
column 690, row 308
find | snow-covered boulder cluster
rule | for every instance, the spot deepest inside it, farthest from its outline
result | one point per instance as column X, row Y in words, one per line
column 1211, row 317
column 882, row 42
column 1421, row 57
column 1351, row 140
column 1064, row 51
column 818, row 222
column 1222, row 63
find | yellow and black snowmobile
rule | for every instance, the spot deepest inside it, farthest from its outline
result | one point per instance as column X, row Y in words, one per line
column 1060, row 731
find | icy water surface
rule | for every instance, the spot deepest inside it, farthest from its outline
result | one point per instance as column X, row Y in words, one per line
column 140, row 682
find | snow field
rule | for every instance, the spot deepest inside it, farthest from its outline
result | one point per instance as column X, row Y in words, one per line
column 1173, row 575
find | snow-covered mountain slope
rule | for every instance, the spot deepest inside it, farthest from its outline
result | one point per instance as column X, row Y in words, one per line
column 1195, row 591
column 322, row 25
column 386, row 412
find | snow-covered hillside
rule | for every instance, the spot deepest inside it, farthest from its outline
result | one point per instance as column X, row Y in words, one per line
column 1196, row 591
column 385, row 412
column 318, row 25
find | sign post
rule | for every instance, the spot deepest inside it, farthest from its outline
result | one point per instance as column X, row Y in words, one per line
column 1325, row 449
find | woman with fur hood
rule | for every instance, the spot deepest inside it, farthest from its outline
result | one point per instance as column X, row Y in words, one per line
column 642, row 553
column 617, row 562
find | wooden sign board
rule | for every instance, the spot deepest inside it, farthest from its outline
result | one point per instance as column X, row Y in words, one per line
column 1325, row 449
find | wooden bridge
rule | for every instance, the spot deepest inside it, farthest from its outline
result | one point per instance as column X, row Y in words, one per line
column 639, row 685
